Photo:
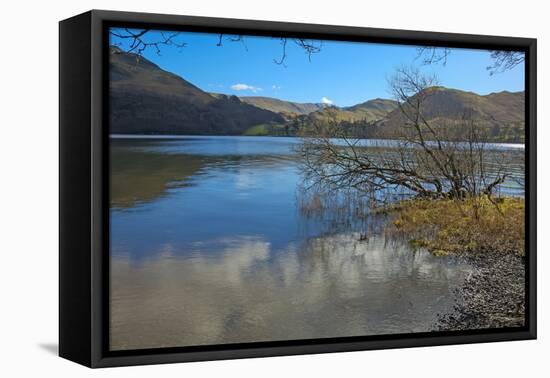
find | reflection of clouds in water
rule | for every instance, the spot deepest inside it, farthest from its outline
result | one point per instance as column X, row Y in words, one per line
column 244, row 182
column 241, row 290
column 238, row 257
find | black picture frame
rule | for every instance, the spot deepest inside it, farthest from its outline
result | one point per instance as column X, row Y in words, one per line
column 83, row 195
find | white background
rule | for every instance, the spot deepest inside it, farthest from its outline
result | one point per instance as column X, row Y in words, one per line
column 29, row 186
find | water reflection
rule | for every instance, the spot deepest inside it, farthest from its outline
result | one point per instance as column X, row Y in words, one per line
column 137, row 177
column 243, row 290
column 209, row 246
column 143, row 170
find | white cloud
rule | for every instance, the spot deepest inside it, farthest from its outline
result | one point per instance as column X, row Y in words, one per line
column 326, row 101
column 245, row 87
column 276, row 87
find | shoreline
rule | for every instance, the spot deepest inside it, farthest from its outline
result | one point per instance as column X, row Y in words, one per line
column 509, row 145
column 493, row 296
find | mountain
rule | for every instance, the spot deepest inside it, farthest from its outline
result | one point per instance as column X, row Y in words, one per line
column 144, row 99
column 372, row 109
column 281, row 106
column 501, row 114
column 369, row 111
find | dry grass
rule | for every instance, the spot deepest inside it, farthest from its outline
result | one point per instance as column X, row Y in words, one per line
column 467, row 226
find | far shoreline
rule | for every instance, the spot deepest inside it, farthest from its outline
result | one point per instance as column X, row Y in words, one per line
column 191, row 136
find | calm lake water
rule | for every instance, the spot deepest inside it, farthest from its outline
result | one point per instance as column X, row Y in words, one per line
column 208, row 246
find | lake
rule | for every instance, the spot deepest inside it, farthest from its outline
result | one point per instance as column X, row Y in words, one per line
column 209, row 246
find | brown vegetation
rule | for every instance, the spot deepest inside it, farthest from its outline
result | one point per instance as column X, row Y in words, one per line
column 474, row 225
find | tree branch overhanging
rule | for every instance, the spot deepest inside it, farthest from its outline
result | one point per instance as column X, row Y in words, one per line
column 138, row 42
column 502, row 60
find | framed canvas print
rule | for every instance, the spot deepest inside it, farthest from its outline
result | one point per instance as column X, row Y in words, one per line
column 234, row 188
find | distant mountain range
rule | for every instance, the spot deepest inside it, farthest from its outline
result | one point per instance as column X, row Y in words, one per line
column 369, row 111
column 144, row 99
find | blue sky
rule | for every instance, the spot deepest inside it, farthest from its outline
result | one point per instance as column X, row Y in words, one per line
column 342, row 73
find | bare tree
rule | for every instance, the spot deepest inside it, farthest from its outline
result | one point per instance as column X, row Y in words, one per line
column 428, row 159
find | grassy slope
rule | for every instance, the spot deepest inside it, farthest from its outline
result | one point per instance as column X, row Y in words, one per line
column 372, row 110
column 280, row 106
column 258, row 130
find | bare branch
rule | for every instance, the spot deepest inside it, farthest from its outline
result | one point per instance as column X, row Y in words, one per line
column 433, row 55
column 505, row 60
column 502, row 60
column 281, row 60
column 310, row 47
column 138, row 44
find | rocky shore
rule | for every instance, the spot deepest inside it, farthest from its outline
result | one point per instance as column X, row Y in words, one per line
column 492, row 296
